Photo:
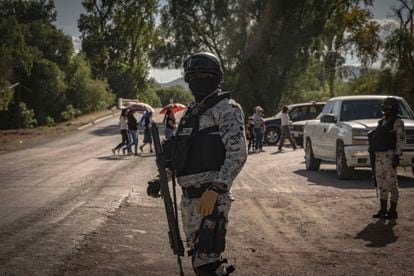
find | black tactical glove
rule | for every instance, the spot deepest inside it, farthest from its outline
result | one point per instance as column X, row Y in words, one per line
column 154, row 188
column 395, row 161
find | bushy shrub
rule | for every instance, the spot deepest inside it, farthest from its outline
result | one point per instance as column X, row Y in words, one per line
column 50, row 121
column 70, row 113
column 27, row 116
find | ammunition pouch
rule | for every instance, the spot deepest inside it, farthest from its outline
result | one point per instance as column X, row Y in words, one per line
column 176, row 151
column 196, row 153
column 212, row 234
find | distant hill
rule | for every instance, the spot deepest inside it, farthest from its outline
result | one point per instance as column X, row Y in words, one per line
column 179, row 81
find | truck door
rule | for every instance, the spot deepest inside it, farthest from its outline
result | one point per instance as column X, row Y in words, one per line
column 318, row 139
column 332, row 133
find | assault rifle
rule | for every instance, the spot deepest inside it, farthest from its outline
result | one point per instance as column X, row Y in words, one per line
column 170, row 206
column 371, row 151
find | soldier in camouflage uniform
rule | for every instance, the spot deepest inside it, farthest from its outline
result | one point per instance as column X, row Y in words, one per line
column 214, row 152
column 388, row 140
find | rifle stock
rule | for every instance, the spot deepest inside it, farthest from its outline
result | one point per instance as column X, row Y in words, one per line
column 174, row 232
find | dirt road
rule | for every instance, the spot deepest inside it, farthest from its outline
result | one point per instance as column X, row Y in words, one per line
column 70, row 208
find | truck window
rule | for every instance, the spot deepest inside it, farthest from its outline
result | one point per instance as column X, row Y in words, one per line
column 298, row 113
column 326, row 109
column 336, row 108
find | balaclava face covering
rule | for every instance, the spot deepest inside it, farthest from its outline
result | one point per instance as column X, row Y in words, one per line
column 201, row 88
column 389, row 110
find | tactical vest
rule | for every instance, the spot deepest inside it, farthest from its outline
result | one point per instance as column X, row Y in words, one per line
column 191, row 150
column 385, row 138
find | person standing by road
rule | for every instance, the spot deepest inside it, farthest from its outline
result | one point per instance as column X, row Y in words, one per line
column 285, row 122
column 170, row 124
column 210, row 152
column 133, row 131
column 250, row 134
column 147, row 132
column 387, row 142
column 123, row 126
column 258, row 128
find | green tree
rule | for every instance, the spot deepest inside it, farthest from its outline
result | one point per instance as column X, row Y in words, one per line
column 15, row 56
column 117, row 39
column 84, row 92
column 399, row 53
column 350, row 30
column 48, row 90
column 219, row 27
column 177, row 93
column 34, row 53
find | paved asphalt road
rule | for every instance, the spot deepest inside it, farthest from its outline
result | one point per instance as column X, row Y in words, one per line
column 69, row 207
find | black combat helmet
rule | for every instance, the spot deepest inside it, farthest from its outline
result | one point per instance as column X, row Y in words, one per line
column 390, row 105
column 202, row 65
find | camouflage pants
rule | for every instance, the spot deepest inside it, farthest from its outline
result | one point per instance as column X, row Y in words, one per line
column 192, row 221
column 386, row 176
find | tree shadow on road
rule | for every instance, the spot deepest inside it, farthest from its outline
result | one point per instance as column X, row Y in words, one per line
column 106, row 131
column 379, row 234
column 361, row 179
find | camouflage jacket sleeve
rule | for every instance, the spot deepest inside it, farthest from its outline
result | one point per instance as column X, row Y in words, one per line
column 400, row 133
column 231, row 128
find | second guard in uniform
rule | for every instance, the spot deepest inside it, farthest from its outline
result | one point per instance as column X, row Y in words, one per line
column 387, row 142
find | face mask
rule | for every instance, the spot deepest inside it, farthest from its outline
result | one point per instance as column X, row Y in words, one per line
column 387, row 112
column 201, row 88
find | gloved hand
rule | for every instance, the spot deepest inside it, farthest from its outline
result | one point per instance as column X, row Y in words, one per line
column 154, row 188
column 207, row 201
column 395, row 161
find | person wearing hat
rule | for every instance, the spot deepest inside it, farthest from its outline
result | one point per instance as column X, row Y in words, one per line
column 258, row 128
column 387, row 141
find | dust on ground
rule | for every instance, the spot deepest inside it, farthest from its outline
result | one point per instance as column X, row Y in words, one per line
column 285, row 221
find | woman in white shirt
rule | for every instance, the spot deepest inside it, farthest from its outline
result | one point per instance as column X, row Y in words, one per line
column 285, row 129
column 123, row 126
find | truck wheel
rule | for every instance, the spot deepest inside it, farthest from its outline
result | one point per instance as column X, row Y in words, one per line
column 312, row 163
column 272, row 136
column 342, row 169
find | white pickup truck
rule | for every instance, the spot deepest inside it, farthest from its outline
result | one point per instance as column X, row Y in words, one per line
column 339, row 133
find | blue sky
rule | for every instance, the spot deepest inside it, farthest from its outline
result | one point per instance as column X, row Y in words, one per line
column 69, row 11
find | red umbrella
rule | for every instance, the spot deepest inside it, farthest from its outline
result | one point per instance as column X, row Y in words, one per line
column 140, row 107
column 174, row 107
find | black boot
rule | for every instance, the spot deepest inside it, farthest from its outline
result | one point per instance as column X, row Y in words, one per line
column 382, row 213
column 392, row 213
column 213, row 269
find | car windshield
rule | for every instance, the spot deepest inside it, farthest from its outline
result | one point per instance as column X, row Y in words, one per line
column 367, row 109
